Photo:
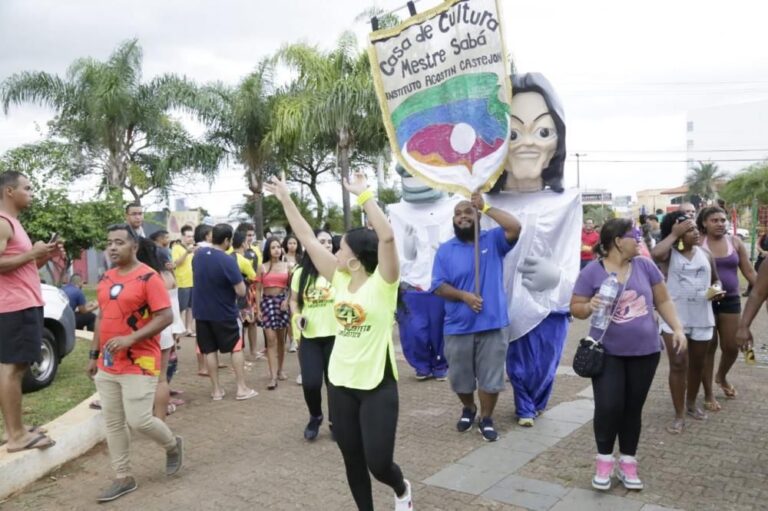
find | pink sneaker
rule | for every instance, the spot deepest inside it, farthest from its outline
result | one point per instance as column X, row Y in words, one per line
column 603, row 473
column 627, row 473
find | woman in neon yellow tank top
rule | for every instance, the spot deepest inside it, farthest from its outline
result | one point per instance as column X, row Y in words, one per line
column 362, row 371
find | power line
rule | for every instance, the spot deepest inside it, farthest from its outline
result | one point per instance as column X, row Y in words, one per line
column 744, row 150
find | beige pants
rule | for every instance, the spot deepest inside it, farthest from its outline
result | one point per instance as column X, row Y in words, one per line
column 126, row 401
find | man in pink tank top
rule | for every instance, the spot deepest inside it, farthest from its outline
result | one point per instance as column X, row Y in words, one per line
column 21, row 308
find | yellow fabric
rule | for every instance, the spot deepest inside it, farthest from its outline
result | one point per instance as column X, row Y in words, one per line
column 318, row 307
column 182, row 271
column 364, row 336
column 246, row 267
column 259, row 255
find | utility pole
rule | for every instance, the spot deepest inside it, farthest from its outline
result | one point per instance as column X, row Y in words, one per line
column 578, row 168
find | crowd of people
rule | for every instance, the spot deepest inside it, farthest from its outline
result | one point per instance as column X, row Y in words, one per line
column 338, row 298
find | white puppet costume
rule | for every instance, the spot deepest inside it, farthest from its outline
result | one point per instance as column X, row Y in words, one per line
column 421, row 221
column 539, row 273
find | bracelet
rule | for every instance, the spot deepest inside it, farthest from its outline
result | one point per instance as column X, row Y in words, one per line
column 486, row 207
column 363, row 197
column 93, row 354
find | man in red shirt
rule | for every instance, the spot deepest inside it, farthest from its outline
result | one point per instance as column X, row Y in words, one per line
column 134, row 307
column 589, row 238
column 21, row 308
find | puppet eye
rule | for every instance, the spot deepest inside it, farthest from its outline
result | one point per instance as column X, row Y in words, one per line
column 514, row 135
column 545, row 132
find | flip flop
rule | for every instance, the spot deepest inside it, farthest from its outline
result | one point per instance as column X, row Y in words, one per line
column 95, row 405
column 30, row 429
column 204, row 375
column 696, row 413
column 249, row 395
column 176, row 392
column 676, row 427
column 177, row 402
column 712, row 406
column 35, row 444
column 218, row 397
column 729, row 391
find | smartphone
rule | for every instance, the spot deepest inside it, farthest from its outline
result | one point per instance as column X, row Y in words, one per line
column 54, row 237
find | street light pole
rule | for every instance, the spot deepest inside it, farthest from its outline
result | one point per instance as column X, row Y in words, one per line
column 578, row 168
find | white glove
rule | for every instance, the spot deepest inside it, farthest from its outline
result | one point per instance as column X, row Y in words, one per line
column 539, row 274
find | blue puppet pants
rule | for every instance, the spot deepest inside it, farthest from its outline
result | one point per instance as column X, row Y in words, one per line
column 420, row 324
column 532, row 361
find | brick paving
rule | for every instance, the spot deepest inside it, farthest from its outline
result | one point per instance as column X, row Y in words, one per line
column 246, row 455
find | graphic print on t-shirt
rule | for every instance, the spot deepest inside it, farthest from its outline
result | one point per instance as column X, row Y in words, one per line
column 351, row 317
column 317, row 296
column 631, row 305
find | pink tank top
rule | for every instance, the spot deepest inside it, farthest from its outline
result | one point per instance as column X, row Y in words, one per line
column 273, row 279
column 19, row 288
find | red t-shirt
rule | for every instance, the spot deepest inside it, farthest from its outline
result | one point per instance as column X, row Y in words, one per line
column 588, row 239
column 127, row 303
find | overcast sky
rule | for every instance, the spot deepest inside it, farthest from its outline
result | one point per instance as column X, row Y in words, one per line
column 627, row 72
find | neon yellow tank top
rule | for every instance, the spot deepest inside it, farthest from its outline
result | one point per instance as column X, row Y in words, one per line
column 364, row 336
column 318, row 307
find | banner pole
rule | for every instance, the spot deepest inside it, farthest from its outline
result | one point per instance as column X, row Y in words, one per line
column 477, row 251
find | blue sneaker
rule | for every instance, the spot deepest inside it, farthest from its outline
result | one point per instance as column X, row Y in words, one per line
column 485, row 427
column 423, row 376
column 440, row 375
column 466, row 420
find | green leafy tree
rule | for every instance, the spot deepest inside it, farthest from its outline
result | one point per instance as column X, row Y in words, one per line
column 307, row 164
column 332, row 98
column 239, row 119
column 748, row 185
column 108, row 122
column 701, row 179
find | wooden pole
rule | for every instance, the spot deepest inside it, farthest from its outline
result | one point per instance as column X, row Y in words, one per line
column 477, row 252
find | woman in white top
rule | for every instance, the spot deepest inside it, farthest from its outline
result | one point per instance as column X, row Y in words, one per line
column 692, row 282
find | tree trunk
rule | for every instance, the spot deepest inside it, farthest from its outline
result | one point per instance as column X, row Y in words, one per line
column 344, row 167
column 318, row 201
column 255, row 183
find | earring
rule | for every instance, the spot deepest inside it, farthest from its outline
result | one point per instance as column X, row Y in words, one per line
column 349, row 266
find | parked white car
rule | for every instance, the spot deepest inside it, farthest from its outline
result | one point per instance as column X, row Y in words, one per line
column 743, row 234
column 57, row 342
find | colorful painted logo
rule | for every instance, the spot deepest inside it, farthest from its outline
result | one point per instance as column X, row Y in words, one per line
column 349, row 314
column 318, row 294
column 461, row 122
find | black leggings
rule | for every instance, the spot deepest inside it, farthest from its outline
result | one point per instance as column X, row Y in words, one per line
column 365, row 422
column 314, row 355
column 620, row 392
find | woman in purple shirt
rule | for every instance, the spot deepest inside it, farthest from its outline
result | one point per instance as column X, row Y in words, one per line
column 632, row 345
column 730, row 256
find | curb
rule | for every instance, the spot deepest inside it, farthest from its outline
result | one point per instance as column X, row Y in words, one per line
column 75, row 433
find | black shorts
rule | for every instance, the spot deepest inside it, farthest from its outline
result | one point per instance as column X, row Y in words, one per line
column 223, row 336
column 21, row 335
column 728, row 305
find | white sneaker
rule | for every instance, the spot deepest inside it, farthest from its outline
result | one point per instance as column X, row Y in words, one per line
column 404, row 503
column 292, row 347
column 298, row 379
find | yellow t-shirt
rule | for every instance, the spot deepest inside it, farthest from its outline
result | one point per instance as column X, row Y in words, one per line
column 182, row 271
column 246, row 267
column 364, row 332
column 318, row 307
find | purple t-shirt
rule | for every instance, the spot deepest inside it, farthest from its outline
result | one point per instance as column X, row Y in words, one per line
column 633, row 330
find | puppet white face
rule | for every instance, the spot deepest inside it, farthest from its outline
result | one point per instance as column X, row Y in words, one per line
column 533, row 138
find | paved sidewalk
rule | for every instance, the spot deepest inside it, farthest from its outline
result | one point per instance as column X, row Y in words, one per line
column 251, row 455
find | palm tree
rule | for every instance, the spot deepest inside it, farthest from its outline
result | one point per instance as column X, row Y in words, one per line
column 114, row 124
column 239, row 120
column 701, row 179
column 332, row 97
column 748, row 185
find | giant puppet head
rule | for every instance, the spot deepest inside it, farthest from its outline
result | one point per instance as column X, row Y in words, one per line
column 537, row 139
column 415, row 190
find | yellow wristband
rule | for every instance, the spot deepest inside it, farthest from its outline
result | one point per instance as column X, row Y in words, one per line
column 363, row 197
column 486, row 207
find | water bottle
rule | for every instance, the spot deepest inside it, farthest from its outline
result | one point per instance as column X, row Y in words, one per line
column 601, row 318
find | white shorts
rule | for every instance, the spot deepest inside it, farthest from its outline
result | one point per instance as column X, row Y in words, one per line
column 166, row 338
column 694, row 333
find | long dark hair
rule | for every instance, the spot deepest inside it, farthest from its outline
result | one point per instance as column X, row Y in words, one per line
column 612, row 229
column 299, row 250
column 669, row 221
column 267, row 250
column 364, row 243
column 309, row 272
column 148, row 254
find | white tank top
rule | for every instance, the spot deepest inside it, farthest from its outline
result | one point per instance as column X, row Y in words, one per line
column 687, row 282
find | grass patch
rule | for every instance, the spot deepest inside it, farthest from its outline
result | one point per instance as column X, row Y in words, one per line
column 68, row 389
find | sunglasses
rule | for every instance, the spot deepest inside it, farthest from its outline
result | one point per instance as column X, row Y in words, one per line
column 634, row 234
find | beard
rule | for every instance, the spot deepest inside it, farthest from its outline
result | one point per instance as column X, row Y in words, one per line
column 464, row 234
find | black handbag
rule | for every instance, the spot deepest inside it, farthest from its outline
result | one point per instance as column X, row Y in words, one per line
column 590, row 354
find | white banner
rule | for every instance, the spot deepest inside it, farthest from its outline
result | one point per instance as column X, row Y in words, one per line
column 443, row 86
